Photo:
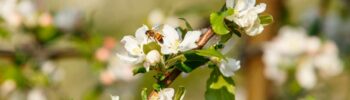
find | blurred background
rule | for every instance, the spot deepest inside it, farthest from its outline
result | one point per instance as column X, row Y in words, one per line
column 65, row 49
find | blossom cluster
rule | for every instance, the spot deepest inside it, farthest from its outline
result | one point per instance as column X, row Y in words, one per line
column 293, row 49
column 163, row 48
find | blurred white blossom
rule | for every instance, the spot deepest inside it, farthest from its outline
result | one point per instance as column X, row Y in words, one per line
column 9, row 12
column 156, row 17
column 68, row 19
column 293, row 49
column 306, row 74
column 7, row 87
column 114, row 97
column 36, row 94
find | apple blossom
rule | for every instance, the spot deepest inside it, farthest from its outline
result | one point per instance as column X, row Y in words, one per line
column 173, row 42
column 229, row 66
column 134, row 46
column 246, row 15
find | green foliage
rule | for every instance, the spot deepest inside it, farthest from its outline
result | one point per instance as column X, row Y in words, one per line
column 144, row 94
column 151, row 46
column 158, row 86
column 3, row 32
column 217, row 21
column 210, row 52
column 15, row 74
column 159, row 76
column 265, row 19
column 180, row 93
column 225, row 38
column 46, row 34
column 188, row 25
column 219, row 87
column 193, row 61
column 138, row 70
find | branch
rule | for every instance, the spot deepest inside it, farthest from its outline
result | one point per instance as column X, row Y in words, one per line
column 170, row 77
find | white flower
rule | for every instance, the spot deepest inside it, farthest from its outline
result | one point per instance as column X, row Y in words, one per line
column 313, row 45
column 166, row 94
column 271, row 60
column 229, row 66
column 36, row 94
column 291, row 41
column 120, row 71
column 173, row 43
column 328, row 62
column 10, row 13
column 156, row 17
column 153, row 57
column 134, row 46
column 114, row 97
column 247, row 15
column 7, row 87
column 68, row 19
column 305, row 75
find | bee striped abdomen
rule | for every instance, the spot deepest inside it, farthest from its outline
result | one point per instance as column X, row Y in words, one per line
column 155, row 35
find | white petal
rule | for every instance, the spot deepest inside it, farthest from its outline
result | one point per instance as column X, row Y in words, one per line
column 260, row 8
column 242, row 5
column 132, row 45
column 227, row 68
column 170, row 34
column 171, row 40
column 230, row 3
column 167, row 50
column 254, row 30
column 189, row 42
column 306, row 75
column 140, row 34
column 129, row 59
column 166, row 94
column 114, row 97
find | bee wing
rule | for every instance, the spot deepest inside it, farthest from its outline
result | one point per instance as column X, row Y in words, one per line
column 157, row 28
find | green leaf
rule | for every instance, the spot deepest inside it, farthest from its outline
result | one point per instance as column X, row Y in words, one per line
column 188, row 25
column 151, row 46
column 193, row 61
column 144, row 94
column 217, row 20
column 184, row 67
column 219, row 87
column 225, row 38
column 158, row 86
column 138, row 70
column 3, row 32
column 210, row 52
column 180, row 93
column 265, row 19
column 182, row 31
column 47, row 34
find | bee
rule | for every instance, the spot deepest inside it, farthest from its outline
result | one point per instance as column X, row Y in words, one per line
column 156, row 35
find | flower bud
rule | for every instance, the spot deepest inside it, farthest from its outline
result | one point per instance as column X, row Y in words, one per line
column 153, row 57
